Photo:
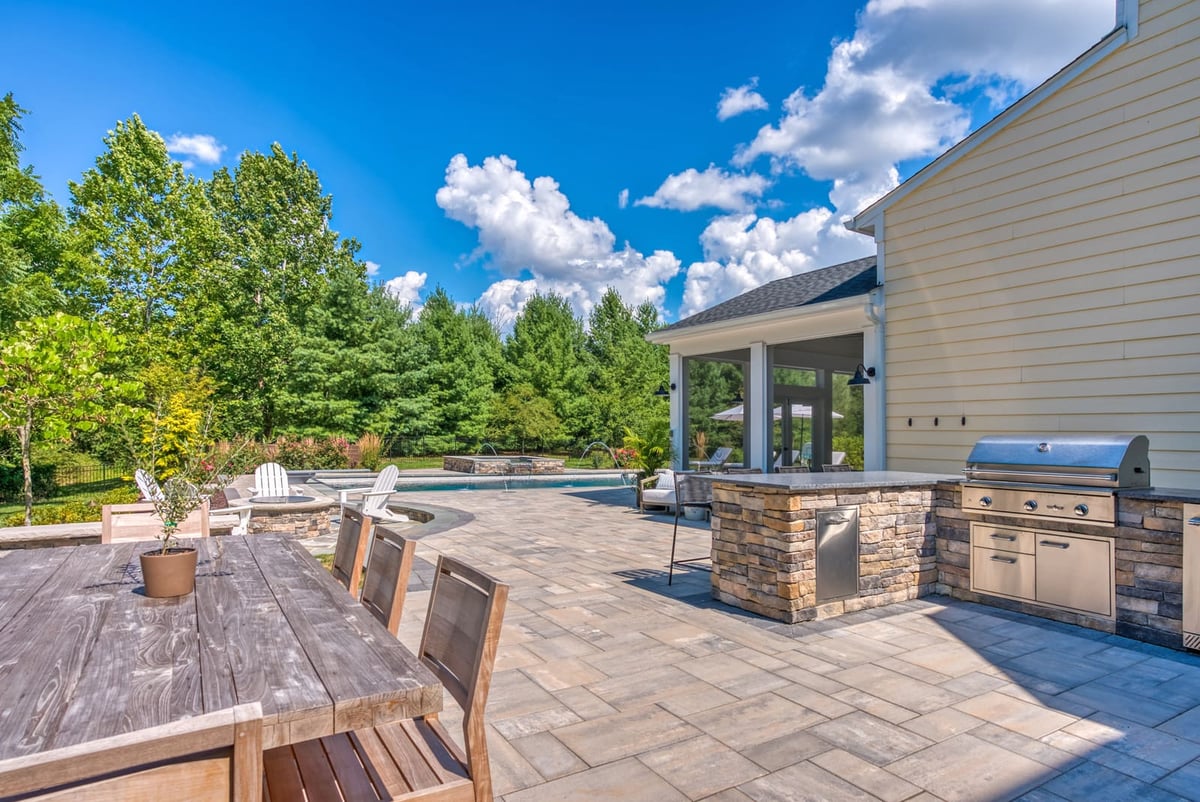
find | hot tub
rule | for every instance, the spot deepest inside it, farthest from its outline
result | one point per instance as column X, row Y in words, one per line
column 499, row 466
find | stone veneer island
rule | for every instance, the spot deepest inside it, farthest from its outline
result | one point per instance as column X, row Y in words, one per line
column 914, row 540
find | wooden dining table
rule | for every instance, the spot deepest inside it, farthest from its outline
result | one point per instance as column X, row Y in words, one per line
column 85, row 654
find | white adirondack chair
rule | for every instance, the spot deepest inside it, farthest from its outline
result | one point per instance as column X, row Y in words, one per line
column 121, row 521
column 374, row 498
column 147, row 485
column 270, row 479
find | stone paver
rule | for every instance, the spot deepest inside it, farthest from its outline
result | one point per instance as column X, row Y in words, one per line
column 610, row 684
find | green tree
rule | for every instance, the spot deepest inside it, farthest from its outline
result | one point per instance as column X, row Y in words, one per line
column 354, row 365
column 521, row 415
column 458, row 379
column 146, row 235
column 54, row 378
column 625, row 369
column 31, row 230
column 269, row 304
column 546, row 351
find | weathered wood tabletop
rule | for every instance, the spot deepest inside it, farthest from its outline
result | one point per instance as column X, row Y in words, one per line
column 85, row 654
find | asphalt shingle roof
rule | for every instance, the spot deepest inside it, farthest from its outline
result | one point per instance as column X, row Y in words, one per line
column 816, row 286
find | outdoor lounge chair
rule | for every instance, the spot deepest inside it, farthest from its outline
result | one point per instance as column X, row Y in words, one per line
column 375, row 497
column 270, row 479
column 718, row 459
column 662, row 494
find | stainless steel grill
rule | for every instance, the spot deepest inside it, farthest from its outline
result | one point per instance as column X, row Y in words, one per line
column 1054, row 478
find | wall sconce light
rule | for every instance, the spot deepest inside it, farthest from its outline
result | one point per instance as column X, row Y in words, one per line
column 661, row 392
column 737, row 398
column 859, row 379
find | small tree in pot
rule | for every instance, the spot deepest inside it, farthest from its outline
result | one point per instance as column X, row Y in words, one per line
column 188, row 467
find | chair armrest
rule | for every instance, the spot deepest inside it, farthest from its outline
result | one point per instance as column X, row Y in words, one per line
column 652, row 478
column 344, row 494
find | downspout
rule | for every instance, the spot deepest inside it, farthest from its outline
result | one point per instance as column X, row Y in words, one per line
column 874, row 394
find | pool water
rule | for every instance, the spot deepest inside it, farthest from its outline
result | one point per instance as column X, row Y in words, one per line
column 484, row 482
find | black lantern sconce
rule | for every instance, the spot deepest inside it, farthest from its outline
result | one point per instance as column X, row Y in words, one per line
column 860, row 376
column 662, row 392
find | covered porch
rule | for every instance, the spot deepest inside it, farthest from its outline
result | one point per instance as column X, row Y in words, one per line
column 796, row 354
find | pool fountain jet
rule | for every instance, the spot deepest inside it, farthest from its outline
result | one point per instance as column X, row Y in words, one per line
column 486, row 444
column 616, row 462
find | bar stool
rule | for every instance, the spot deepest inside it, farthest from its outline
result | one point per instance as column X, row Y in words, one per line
column 690, row 491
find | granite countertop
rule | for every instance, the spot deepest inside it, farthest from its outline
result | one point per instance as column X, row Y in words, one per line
column 1187, row 495
column 836, row 481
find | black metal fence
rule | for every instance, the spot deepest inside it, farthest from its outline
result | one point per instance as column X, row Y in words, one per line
column 68, row 475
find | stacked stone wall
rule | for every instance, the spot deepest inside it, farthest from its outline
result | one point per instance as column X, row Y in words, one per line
column 764, row 548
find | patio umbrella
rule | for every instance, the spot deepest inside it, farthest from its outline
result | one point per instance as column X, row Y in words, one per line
column 798, row 411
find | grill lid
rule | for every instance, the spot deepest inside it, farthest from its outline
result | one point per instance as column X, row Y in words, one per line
column 1116, row 460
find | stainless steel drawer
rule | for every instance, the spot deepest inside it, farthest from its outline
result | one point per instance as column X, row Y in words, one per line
column 1006, row 538
column 1075, row 572
column 1006, row 573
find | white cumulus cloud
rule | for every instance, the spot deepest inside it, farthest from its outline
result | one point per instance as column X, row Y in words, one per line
column 897, row 91
column 744, row 251
column 202, row 148
column 407, row 288
column 528, row 231
column 692, row 189
column 623, row 199
column 372, row 268
column 739, row 100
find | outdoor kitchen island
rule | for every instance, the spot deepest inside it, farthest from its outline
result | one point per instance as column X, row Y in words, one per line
column 801, row 546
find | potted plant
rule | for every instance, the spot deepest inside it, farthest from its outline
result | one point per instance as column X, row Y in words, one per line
column 187, row 467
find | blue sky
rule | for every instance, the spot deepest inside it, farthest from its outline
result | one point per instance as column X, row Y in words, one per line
column 682, row 152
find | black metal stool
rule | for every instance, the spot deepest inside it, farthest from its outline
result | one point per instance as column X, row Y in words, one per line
column 690, row 491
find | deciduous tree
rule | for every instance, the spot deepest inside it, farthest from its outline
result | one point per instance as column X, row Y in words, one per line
column 54, row 378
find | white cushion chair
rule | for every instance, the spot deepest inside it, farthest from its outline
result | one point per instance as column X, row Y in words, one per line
column 662, row 494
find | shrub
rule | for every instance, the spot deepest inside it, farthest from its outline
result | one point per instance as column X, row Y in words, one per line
column 852, row 444
column 12, row 483
column 309, row 453
column 370, row 451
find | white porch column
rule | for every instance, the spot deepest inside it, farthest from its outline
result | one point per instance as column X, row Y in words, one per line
column 757, row 416
column 679, row 405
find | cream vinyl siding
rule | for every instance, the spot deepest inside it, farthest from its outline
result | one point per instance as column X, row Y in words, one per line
column 1049, row 279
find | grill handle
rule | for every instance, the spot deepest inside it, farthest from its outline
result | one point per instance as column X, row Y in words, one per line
column 1048, row 477
column 1057, row 544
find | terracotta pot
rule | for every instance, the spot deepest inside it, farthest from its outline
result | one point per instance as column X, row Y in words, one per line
column 169, row 574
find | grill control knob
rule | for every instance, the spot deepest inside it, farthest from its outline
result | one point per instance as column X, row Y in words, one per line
column 1081, row 510
column 1030, row 505
column 985, row 501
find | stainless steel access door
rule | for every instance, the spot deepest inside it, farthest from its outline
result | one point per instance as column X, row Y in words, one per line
column 837, row 553
column 1191, row 576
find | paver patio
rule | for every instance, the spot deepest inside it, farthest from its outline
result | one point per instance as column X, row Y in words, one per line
column 611, row 685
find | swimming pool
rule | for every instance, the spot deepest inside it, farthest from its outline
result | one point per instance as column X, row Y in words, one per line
column 485, row 482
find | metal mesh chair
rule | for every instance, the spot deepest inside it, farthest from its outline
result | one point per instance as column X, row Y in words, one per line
column 792, row 469
column 837, row 468
column 691, row 490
